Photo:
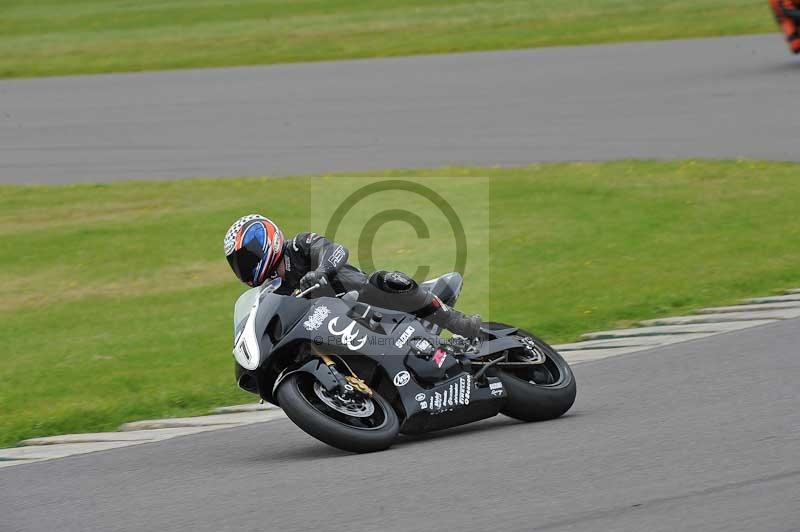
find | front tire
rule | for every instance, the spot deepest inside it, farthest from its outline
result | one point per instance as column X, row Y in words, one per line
column 541, row 392
column 365, row 428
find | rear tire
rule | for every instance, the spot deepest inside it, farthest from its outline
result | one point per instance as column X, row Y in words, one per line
column 356, row 435
column 538, row 394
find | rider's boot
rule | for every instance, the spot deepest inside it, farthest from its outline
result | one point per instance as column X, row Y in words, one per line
column 463, row 324
column 455, row 321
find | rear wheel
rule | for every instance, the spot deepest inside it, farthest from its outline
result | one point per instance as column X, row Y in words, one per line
column 355, row 423
column 538, row 392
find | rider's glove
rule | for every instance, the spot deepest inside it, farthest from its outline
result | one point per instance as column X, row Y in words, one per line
column 312, row 278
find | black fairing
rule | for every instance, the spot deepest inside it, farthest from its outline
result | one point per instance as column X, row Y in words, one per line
column 427, row 370
column 377, row 343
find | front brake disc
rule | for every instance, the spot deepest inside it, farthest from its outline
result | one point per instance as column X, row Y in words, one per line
column 357, row 406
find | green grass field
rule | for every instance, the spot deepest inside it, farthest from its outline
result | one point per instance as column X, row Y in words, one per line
column 55, row 37
column 115, row 300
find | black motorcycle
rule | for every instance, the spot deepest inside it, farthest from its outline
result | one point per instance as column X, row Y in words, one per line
column 354, row 376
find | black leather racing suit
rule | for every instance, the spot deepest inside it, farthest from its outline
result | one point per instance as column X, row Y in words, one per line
column 313, row 252
column 308, row 252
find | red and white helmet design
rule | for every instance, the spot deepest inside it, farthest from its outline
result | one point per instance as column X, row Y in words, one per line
column 254, row 247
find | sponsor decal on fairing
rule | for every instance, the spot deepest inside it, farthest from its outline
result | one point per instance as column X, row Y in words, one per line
column 404, row 337
column 496, row 388
column 349, row 335
column 421, row 345
column 402, row 378
column 452, row 396
column 317, row 318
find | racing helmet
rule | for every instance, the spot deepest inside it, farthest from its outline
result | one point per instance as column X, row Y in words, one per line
column 254, row 248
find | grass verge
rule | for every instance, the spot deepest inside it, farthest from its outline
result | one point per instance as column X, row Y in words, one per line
column 57, row 37
column 115, row 300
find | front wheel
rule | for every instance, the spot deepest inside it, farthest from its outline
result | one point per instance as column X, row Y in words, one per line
column 354, row 424
column 538, row 392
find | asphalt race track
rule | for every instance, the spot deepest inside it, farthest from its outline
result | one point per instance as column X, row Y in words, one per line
column 713, row 98
column 699, row 436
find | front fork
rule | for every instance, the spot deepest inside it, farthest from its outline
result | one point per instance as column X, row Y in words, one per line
column 323, row 368
column 347, row 383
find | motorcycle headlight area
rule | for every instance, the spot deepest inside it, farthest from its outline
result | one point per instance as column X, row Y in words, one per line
column 247, row 352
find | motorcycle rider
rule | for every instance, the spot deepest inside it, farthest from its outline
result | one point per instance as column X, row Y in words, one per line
column 257, row 251
column 787, row 13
